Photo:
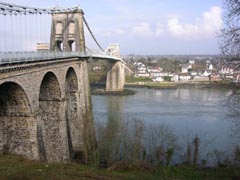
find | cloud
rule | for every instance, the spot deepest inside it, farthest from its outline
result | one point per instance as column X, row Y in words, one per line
column 163, row 32
column 206, row 26
column 212, row 21
column 159, row 30
column 112, row 32
column 142, row 29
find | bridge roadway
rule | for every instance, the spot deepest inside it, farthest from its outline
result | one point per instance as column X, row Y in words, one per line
column 9, row 58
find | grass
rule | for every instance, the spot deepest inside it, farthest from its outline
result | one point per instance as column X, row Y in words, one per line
column 153, row 85
column 189, row 84
column 16, row 167
column 165, row 85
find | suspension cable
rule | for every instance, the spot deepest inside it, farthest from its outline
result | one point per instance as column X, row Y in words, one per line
column 6, row 9
column 84, row 20
column 11, row 33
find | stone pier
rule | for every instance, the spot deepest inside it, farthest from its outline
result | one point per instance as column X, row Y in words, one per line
column 115, row 76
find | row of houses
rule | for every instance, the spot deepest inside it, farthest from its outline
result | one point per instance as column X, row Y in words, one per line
column 230, row 71
column 156, row 73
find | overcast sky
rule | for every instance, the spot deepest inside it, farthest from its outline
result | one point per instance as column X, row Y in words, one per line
column 144, row 26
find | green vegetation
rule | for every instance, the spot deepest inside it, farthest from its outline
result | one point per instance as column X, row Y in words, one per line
column 167, row 78
column 131, row 79
column 164, row 85
column 199, row 66
column 153, row 85
column 15, row 167
column 168, row 64
column 97, row 75
column 190, row 84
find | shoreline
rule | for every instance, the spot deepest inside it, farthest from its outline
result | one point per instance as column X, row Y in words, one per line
column 179, row 85
column 99, row 88
column 103, row 92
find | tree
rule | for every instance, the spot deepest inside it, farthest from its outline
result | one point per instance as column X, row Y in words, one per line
column 230, row 35
column 230, row 46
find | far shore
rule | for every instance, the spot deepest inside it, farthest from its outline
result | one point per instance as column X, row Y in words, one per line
column 176, row 85
column 185, row 84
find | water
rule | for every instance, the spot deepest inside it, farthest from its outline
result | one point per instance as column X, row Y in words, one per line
column 197, row 111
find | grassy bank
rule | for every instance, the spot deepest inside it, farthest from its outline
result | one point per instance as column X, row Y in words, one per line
column 15, row 167
column 190, row 84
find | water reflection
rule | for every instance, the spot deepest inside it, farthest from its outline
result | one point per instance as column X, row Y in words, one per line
column 114, row 115
column 202, row 111
column 233, row 105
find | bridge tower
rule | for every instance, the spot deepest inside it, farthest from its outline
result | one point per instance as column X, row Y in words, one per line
column 67, row 32
column 67, row 35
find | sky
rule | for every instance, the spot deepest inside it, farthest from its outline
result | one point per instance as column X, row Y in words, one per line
column 147, row 27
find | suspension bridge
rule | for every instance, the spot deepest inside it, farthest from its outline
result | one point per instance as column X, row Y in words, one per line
column 45, row 101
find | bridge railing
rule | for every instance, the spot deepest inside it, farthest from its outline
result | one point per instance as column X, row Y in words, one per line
column 21, row 57
column 100, row 54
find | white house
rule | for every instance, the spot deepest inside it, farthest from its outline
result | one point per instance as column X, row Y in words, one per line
column 175, row 78
column 152, row 69
column 227, row 70
column 191, row 62
column 158, row 79
column 185, row 68
column 97, row 68
column 210, row 67
column 193, row 73
column 184, row 77
column 206, row 73
column 141, row 75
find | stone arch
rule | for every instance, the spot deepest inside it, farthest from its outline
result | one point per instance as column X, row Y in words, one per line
column 71, row 80
column 50, row 88
column 72, row 118
column 51, row 122
column 16, row 121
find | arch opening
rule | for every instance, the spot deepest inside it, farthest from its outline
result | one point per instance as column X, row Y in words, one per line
column 71, row 81
column 72, row 45
column 50, row 88
column 59, row 45
column 50, row 139
column 15, row 118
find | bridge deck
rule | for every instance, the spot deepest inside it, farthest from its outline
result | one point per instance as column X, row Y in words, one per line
column 26, row 57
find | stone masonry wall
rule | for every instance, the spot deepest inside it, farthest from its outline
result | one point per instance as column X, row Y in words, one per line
column 44, row 133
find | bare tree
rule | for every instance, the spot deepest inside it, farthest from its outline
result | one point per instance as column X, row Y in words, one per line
column 230, row 35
